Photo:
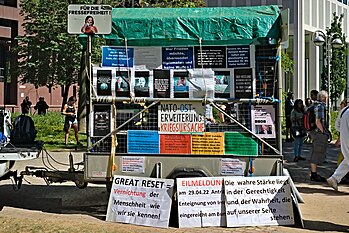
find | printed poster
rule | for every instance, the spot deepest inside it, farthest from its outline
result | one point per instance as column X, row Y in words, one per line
column 142, row 84
column 143, row 142
column 258, row 201
column 222, row 84
column 201, row 202
column 181, row 84
column 263, row 123
column 175, row 144
column 208, row 143
column 140, row 201
column 181, row 117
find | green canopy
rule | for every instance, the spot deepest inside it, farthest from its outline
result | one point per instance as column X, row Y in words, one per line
column 188, row 26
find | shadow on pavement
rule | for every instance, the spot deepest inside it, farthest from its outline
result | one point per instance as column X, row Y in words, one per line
column 324, row 226
column 91, row 201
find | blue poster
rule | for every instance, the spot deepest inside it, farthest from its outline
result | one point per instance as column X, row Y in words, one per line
column 177, row 58
column 117, row 56
column 144, row 142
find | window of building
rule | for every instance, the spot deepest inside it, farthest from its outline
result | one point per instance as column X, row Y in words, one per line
column 11, row 3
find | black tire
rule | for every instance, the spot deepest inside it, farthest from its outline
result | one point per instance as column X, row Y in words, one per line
column 80, row 184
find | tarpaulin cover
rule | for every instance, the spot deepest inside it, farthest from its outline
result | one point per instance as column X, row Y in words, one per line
column 185, row 26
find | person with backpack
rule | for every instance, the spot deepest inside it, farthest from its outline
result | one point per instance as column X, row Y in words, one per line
column 319, row 136
column 297, row 129
column 70, row 111
column 342, row 126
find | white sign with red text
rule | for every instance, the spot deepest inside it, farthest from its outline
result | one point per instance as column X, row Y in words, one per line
column 181, row 117
column 140, row 201
column 201, row 202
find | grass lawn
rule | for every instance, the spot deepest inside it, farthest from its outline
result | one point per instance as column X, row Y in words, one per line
column 50, row 130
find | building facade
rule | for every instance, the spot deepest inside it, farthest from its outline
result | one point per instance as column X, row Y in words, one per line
column 12, row 92
column 306, row 17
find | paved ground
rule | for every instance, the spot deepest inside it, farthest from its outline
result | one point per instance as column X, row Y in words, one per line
column 64, row 204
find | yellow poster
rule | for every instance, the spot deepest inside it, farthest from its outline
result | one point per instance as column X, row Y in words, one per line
column 208, row 143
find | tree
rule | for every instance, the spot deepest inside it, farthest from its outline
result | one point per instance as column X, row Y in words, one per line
column 48, row 55
column 338, row 62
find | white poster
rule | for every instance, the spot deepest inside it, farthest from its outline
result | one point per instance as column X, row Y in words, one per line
column 263, row 121
column 201, row 202
column 132, row 164
column 181, row 117
column 233, row 167
column 253, row 201
column 140, row 201
column 89, row 19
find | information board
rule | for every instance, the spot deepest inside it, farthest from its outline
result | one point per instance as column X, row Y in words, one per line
column 243, row 83
column 238, row 56
column 241, row 144
column 117, row 56
column 253, row 201
column 210, row 57
column 208, row 143
column 181, row 117
column 177, row 58
column 101, row 120
column 142, row 141
column 201, row 202
column 175, row 143
column 140, row 201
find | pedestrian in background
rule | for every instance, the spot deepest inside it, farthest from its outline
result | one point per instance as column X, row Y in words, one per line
column 71, row 121
column 289, row 104
column 41, row 106
column 319, row 136
column 26, row 105
column 298, row 130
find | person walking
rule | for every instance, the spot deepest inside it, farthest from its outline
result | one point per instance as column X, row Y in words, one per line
column 71, row 121
column 319, row 136
column 289, row 104
column 41, row 106
column 342, row 125
column 298, row 129
column 26, row 105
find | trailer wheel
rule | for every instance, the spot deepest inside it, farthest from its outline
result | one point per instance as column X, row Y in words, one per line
column 81, row 184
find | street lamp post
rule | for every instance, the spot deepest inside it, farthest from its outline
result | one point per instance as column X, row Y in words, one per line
column 319, row 38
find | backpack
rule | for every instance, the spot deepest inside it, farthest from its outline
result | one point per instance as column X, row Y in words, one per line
column 23, row 131
column 309, row 119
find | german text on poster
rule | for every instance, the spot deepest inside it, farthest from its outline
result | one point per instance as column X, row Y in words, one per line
column 140, row 201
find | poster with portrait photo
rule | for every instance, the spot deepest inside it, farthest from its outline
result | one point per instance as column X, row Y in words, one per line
column 263, row 121
column 142, row 84
column 122, row 85
column 222, row 84
column 181, row 84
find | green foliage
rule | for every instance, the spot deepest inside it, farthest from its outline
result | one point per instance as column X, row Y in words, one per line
column 287, row 63
column 338, row 61
column 50, row 131
column 47, row 54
